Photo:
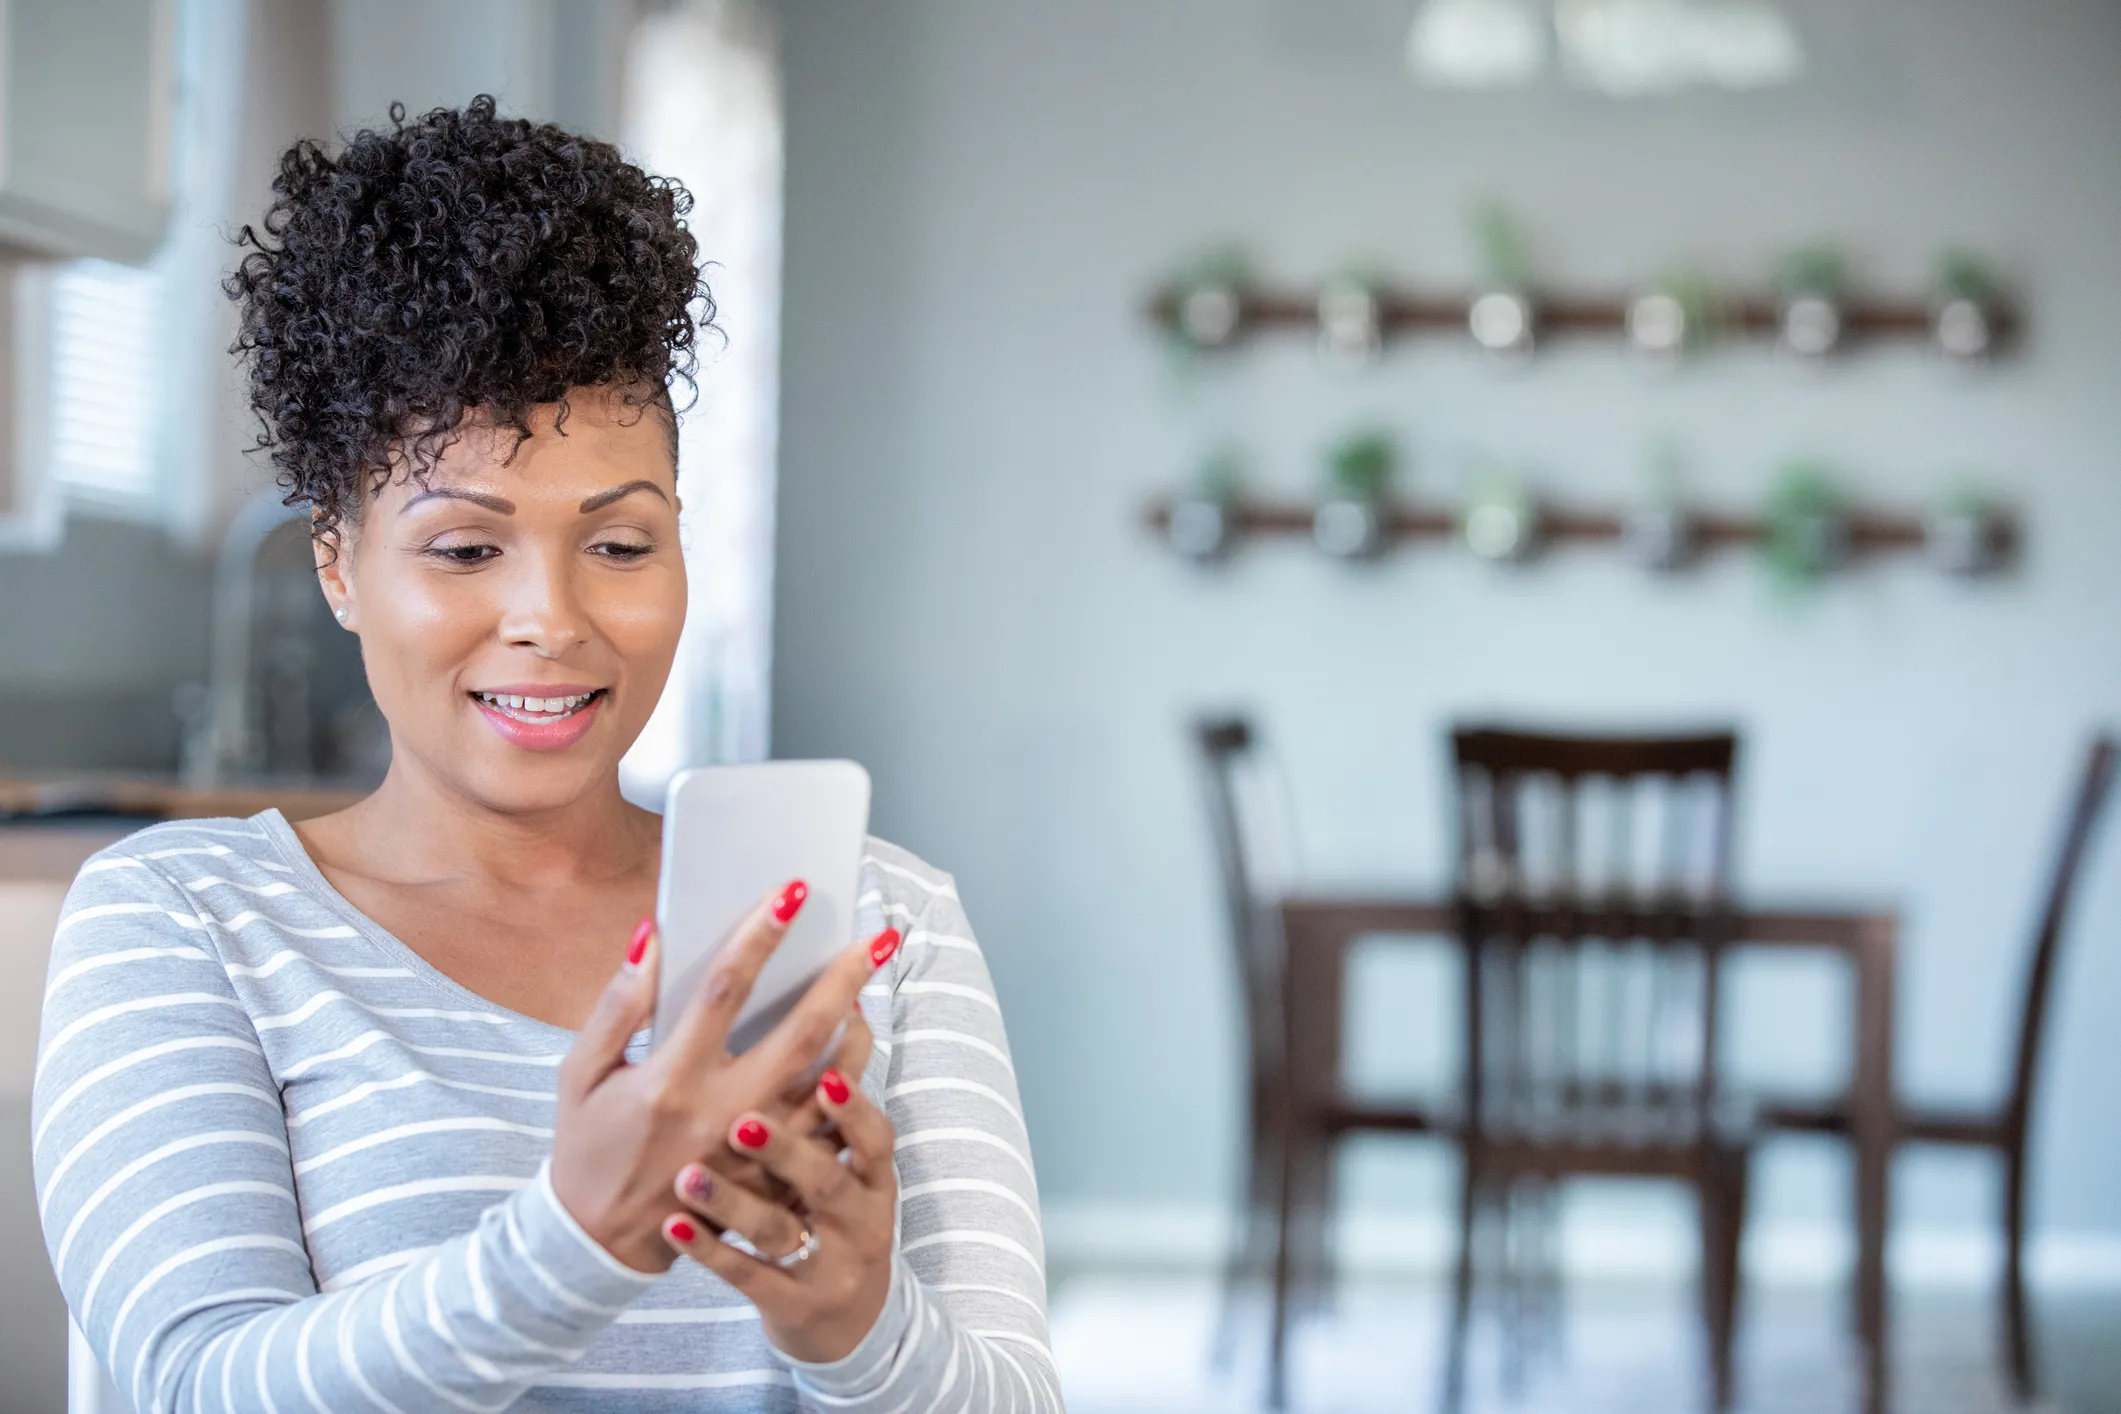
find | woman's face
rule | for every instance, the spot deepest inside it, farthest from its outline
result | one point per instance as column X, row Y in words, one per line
column 518, row 614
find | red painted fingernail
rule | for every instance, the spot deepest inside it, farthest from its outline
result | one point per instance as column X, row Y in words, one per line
column 698, row 1184
column 834, row 1085
column 751, row 1134
column 683, row 1231
column 638, row 948
column 882, row 946
column 790, row 903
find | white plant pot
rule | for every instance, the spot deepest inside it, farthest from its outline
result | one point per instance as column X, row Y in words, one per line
column 1811, row 325
column 1199, row 528
column 1501, row 321
column 1662, row 538
column 1966, row 541
column 1348, row 528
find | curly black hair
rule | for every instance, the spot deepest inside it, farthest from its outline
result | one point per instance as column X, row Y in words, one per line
column 462, row 262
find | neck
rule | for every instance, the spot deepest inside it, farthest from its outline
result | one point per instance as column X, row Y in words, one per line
column 416, row 826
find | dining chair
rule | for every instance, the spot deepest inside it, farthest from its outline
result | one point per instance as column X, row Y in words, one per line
column 1226, row 751
column 1293, row 1129
column 2003, row 1130
column 1593, row 901
column 88, row 1388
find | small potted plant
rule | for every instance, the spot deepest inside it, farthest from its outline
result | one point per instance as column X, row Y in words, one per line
column 1963, row 317
column 1683, row 313
column 1811, row 289
column 1500, row 522
column 1968, row 534
column 1349, row 523
column 1660, row 531
column 1807, row 526
column 1502, row 317
column 1206, row 302
column 1202, row 525
column 1351, row 328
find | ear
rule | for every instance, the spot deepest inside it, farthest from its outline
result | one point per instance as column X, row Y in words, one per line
column 335, row 572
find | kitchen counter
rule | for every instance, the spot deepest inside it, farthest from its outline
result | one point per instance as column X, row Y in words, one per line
column 49, row 826
column 166, row 798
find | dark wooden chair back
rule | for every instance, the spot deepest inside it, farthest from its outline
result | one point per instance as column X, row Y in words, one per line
column 1592, row 886
column 2093, row 789
column 1229, row 753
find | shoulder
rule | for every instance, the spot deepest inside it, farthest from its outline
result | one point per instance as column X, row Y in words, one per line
column 178, row 852
column 139, row 934
column 163, row 877
column 905, row 884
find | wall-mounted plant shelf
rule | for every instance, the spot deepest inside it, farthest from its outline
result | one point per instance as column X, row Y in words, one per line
column 1973, row 541
column 1210, row 316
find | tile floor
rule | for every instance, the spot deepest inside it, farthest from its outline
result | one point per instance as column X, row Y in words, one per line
column 1139, row 1344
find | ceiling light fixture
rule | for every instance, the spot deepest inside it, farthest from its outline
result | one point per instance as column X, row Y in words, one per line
column 1622, row 48
column 1477, row 44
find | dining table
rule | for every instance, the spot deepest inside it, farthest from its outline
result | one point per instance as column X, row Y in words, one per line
column 1319, row 930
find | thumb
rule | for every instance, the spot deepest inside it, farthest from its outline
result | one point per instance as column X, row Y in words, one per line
column 627, row 1002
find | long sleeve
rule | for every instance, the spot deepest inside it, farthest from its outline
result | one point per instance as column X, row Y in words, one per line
column 964, row 1328
column 172, row 1214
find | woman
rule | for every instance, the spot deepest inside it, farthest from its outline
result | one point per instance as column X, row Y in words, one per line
column 359, row 1113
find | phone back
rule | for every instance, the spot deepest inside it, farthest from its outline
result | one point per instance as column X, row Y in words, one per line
column 731, row 836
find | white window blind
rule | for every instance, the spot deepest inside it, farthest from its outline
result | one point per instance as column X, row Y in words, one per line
column 105, row 395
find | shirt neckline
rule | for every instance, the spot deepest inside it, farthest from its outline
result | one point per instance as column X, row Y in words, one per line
column 282, row 837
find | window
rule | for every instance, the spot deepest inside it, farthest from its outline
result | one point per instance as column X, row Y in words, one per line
column 106, row 323
column 129, row 370
column 703, row 105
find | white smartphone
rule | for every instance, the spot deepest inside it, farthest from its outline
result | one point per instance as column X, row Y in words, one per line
column 732, row 835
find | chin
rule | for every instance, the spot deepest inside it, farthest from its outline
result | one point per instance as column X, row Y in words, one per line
column 534, row 787
column 510, row 780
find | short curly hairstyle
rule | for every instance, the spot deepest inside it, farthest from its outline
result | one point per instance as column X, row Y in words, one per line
column 462, row 263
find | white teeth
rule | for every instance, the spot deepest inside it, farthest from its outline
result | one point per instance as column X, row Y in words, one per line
column 542, row 706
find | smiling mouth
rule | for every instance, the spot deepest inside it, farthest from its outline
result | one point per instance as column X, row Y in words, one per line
column 521, row 708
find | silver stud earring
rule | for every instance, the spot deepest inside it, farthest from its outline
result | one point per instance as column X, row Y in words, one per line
column 339, row 614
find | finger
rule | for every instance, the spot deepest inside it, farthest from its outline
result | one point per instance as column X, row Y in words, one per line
column 795, row 1044
column 754, row 1278
column 703, row 1028
column 801, row 1113
column 850, row 1056
column 627, row 1002
column 768, row 1226
column 866, row 1130
column 748, row 1173
column 824, row 1184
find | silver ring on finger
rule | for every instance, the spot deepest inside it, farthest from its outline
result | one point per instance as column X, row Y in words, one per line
column 804, row 1251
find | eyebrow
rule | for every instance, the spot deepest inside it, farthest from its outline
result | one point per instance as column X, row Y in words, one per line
column 478, row 498
column 604, row 498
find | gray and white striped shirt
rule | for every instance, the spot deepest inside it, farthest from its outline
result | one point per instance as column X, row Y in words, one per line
column 286, row 1166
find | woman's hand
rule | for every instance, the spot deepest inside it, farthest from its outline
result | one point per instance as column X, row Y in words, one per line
column 819, row 1306
column 623, row 1130
column 800, row 1111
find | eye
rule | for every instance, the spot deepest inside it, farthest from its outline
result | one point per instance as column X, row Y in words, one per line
column 472, row 554
column 624, row 551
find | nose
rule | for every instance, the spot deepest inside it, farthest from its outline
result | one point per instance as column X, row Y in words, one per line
column 544, row 611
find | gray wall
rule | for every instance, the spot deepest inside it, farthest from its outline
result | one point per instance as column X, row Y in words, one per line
column 556, row 60
column 973, row 413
